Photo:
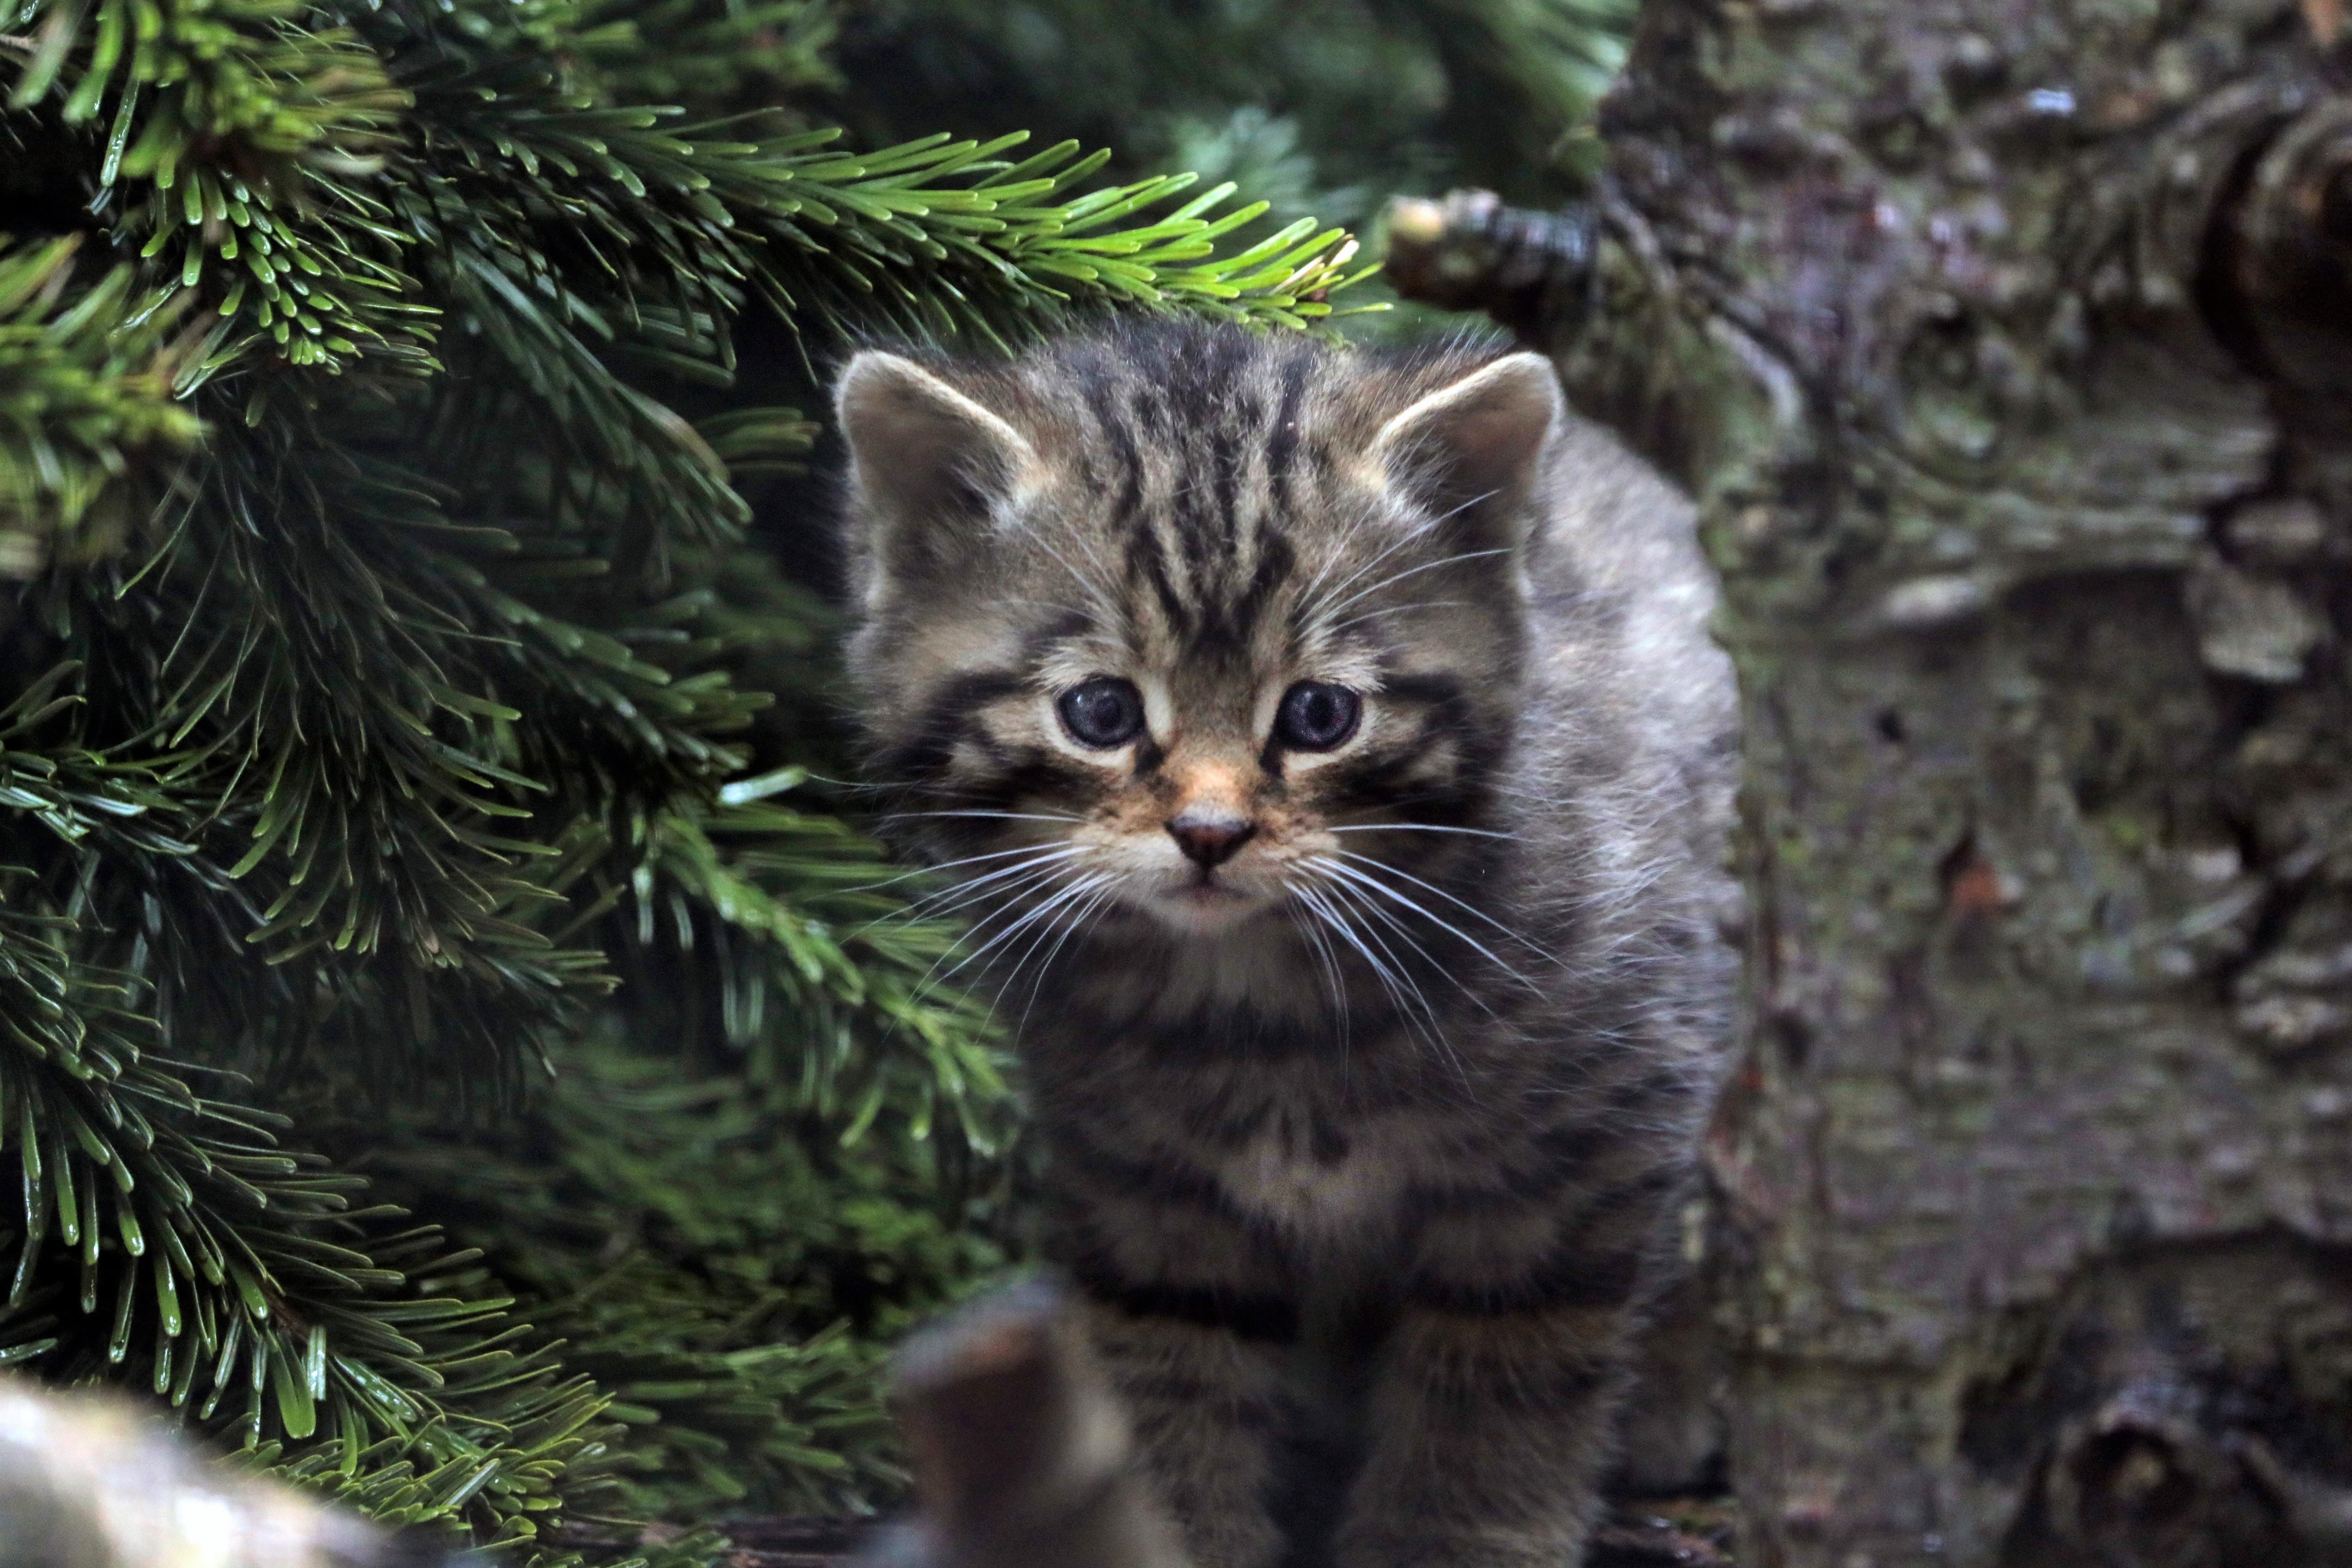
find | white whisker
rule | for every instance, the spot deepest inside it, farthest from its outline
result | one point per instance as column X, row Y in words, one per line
column 945, row 866
column 1308, row 600
column 986, row 816
column 1395, row 577
column 962, row 892
column 1431, row 1031
column 1431, row 886
column 1374, row 885
column 1404, row 934
column 1399, row 542
column 1105, row 605
column 1328, row 962
column 1070, row 928
column 1029, row 917
column 1420, row 827
column 1398, row 610
column 1402, row 990
column 1032, row 878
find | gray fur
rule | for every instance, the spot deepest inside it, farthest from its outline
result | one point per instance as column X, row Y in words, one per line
column 1366, row 1168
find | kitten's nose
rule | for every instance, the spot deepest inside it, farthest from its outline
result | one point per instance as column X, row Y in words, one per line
column 1210, row 838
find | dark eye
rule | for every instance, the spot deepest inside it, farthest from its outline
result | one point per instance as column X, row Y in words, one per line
column 1103, row 712
column 1316, row 716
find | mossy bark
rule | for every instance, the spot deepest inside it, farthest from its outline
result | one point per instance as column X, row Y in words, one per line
column 2007, row 346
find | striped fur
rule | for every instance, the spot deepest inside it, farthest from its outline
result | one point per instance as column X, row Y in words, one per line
column 1365, row 1139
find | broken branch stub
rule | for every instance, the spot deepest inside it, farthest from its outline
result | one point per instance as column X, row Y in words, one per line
column 1022, row 1455
column 1470, row 252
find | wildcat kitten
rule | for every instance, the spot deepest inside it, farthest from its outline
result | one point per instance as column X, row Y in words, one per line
column 1332, row 751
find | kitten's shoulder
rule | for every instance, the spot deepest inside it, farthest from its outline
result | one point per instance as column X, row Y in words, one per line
column 1622, row 601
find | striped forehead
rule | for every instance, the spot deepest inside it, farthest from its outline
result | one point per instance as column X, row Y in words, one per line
column 1201, row 471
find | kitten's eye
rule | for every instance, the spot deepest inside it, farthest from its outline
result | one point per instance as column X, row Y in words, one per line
column 1102, row 712
column 1316, row 716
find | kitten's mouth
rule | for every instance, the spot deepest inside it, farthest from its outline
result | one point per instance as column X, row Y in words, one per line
column 1206, row 905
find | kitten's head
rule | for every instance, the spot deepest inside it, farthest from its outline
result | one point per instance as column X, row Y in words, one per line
column 1190, row 623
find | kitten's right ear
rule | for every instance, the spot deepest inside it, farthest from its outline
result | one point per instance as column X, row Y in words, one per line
column 1476, row 442
column 928, row 462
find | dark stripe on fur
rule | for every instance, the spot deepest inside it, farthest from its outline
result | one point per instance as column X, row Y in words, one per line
column 1266, row 1319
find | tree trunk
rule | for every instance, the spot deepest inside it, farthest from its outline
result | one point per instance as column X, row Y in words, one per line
column 2006, row 343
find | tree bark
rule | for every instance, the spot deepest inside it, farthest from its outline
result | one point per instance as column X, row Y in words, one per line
column 2007, row 346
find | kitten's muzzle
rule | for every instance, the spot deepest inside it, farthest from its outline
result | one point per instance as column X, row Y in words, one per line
column 1210, row 838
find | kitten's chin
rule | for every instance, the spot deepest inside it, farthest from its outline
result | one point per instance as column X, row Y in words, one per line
column 1205, row 908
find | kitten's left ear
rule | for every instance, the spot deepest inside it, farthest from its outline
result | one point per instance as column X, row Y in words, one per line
column 1470, row 450
column 926, row 462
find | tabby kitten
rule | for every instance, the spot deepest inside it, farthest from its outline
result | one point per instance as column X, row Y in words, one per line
column 1333, row 754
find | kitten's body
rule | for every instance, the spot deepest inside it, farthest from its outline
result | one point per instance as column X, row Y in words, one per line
column 1367, row 1143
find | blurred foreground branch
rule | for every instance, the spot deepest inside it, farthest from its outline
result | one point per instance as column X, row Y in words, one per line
column 1021, row 1457
column 90, row 1482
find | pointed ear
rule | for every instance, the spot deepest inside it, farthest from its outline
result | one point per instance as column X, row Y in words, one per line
column 1470, row 450
column 926, row 462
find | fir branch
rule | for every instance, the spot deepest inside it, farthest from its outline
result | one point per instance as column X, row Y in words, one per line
column 931, row 236
column 241, row 134
column 236, row 1282
column 89, row 430
column 398, row 627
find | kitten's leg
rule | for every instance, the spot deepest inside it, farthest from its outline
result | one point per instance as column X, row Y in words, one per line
column 1490, row 1434
column 1205, row 1405
column 1493, row 1409
column 1191, row 1313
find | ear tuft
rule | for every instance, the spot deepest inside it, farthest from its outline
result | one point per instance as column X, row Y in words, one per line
column 1472, row 446
column 927, row 459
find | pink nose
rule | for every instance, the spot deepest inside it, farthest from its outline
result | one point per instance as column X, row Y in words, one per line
column 1209, row 838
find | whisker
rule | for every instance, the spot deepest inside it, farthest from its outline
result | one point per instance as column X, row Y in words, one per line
column 1070, row 928
column 1431, row 1031
column 985, row 815
column 1309, row 600
column 1420, row 827
column 1398, row 610
column 1396, row 544
column 1039, row 920
column 1404, row 933
column 1328, row 962
column 932, row 979
column 1034, row 854
column 962, row 891
column 945, row 866
column 1374, row 885
column 1328, row 911
column 1107, row 580
column 1395, row 577
column 1471, row 909
column 1045, row 928
column 1401, row 989
column 1005, row 898
column 1028, row 918
column 1103, row 600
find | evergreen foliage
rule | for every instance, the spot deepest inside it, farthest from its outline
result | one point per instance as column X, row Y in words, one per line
column 454, row 1046
column 1321, row 106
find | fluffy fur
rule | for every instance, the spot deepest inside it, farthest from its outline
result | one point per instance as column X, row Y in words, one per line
column 1370, row 1110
